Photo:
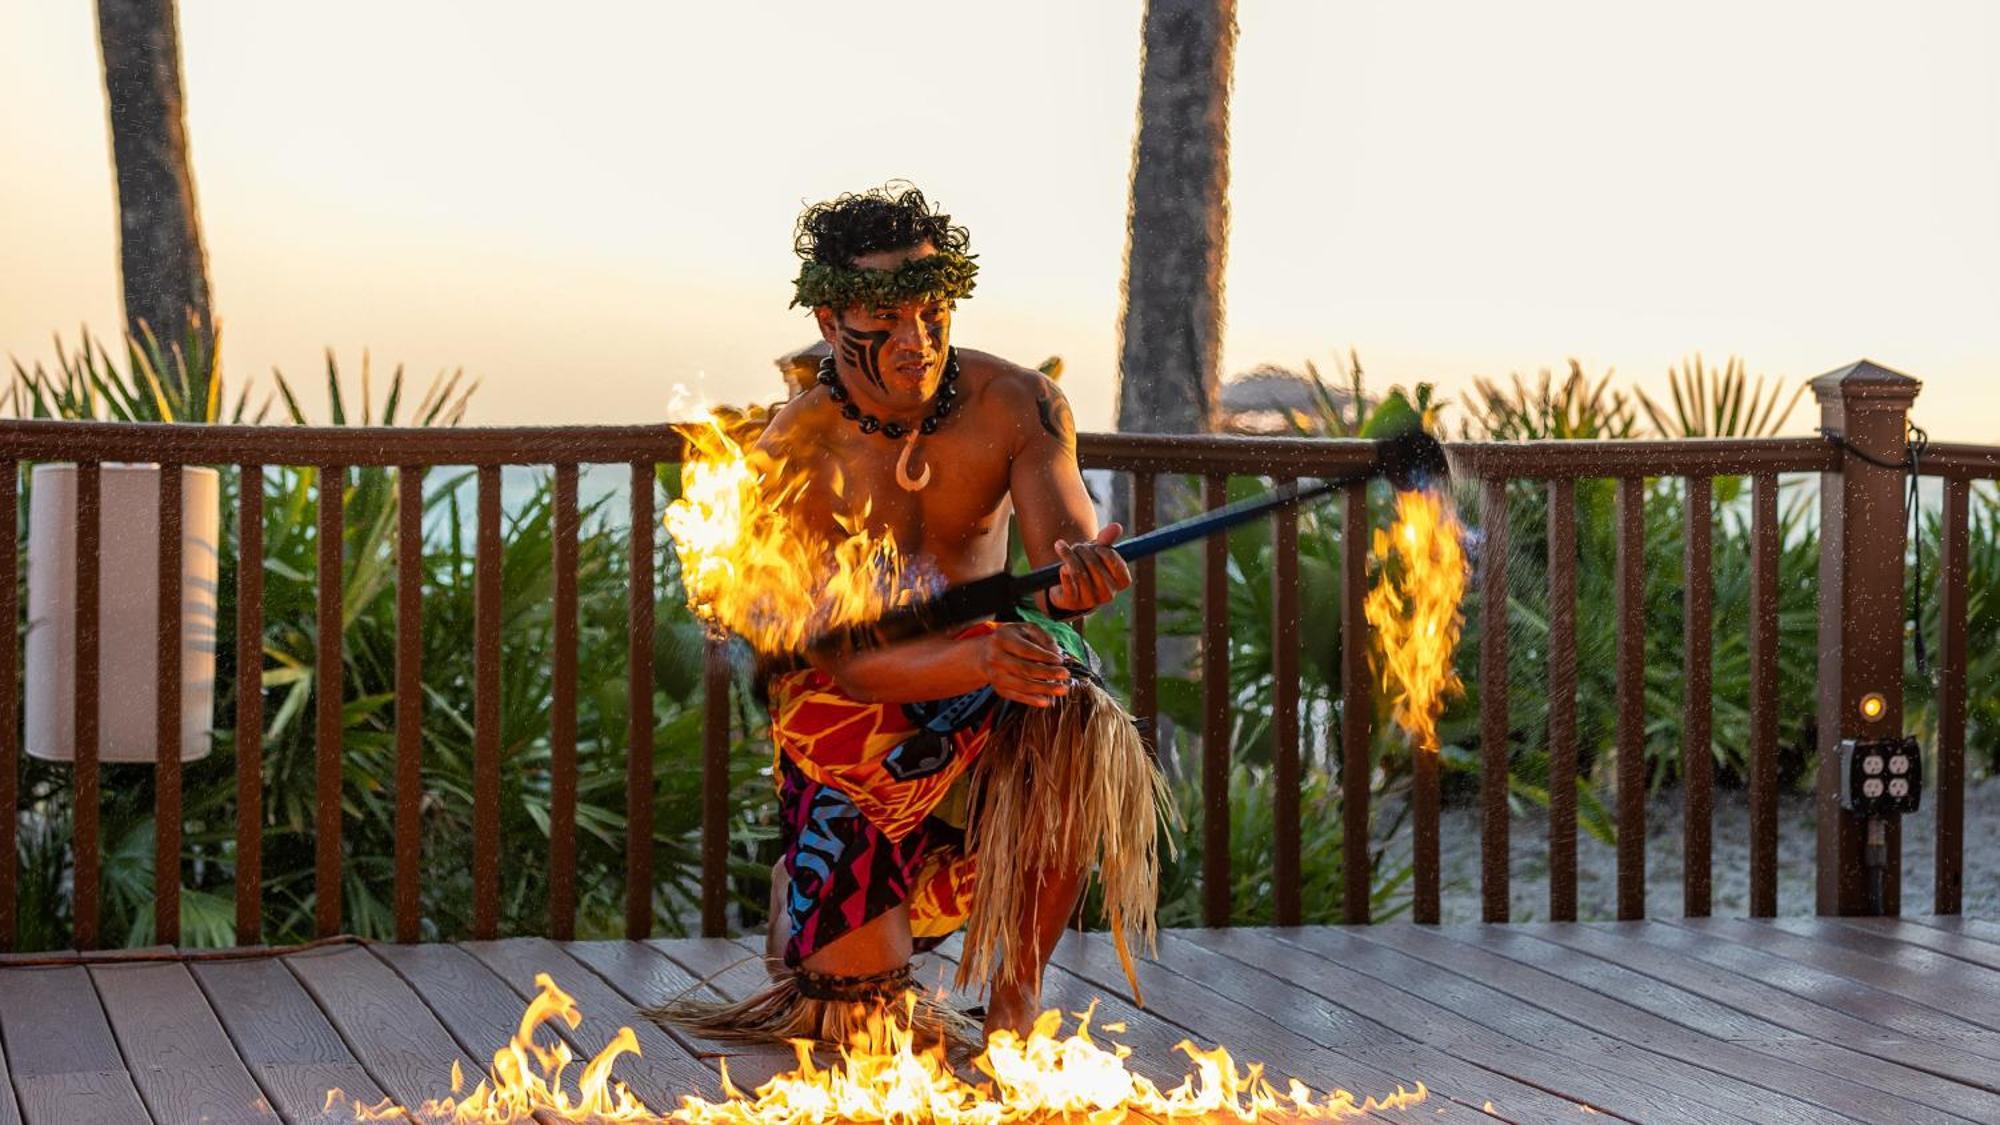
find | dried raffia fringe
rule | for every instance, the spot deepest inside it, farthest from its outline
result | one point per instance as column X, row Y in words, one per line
column 781, row 1011
column 1063, row 787
column 1059, row 788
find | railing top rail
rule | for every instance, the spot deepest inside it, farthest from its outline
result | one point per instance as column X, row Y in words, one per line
column 1224, row 454
column 46, row 439
column 1208, row 454
column 1646, row 457
column 1961, row 460
column 50, row 440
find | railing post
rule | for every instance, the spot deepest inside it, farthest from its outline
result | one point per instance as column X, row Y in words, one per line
column 1862, row 540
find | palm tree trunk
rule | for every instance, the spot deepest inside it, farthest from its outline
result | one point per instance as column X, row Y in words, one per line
column 1176, row 241
column 1179, row 220
column 161, row 258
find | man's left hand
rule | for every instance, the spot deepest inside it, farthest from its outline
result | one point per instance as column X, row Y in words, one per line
column 1092, row 573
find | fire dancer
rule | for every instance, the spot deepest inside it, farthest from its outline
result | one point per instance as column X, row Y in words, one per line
column 953, row 780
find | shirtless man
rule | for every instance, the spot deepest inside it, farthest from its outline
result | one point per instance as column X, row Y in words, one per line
column 940, row 446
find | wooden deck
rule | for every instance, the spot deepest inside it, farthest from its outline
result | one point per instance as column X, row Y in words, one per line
column 1720, row 1020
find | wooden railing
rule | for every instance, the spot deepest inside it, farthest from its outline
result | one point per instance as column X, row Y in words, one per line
column 1959, row 466
column 1560, row 464
column 1489, row 467
column 333, row 451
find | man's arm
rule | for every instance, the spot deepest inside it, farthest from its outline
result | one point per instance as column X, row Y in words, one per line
column 1022, row 663
column 1058, row 520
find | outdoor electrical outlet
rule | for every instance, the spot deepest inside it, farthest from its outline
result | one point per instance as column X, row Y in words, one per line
column 1881, row 776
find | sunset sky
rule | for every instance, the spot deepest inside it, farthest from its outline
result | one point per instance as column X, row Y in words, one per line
column 585, row 204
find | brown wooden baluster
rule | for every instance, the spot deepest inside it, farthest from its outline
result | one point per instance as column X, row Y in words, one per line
column 328, row 688
column 249, row 704
column 1954, row 571
column 1697, row 703
column 562, row 715
column 1357, row 718
column 639, row 709
column 88, row 842
column 1285, row 714
column 1215, row 866
column 1631, row 608
column 1764, row 696
column 715, row 791
column 167, row 713
column 1145, row 617
column 1562, row 700
column 1493, row 701
column 409, row 701
column 486, row 594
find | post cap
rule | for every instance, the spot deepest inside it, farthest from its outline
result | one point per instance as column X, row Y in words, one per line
column 1865, row 379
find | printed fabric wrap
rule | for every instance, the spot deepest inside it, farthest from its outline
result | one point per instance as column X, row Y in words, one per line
column 872, row 800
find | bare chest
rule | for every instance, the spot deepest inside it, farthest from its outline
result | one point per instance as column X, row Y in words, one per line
column 958, row 519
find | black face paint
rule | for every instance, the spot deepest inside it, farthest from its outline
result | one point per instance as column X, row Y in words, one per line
column 934, row 332
column 1056, row 417
column 863, row 352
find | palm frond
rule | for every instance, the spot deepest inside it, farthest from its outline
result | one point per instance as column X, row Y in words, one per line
column 1725, row 403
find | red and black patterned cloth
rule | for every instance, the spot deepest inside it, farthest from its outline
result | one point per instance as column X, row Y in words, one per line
column 871, row 800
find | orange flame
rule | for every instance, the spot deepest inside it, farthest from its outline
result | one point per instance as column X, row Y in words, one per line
column 1414, row 610
column 526, row 1079
column 1044, row 1075
column 883, row 1075
column 750, row 566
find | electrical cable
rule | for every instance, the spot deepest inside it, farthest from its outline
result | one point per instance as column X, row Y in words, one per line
column 1917, row 443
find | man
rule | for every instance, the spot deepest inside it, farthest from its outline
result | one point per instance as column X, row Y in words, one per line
column 937, row 447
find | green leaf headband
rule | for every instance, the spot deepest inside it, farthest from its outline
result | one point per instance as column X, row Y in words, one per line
column 944, row 276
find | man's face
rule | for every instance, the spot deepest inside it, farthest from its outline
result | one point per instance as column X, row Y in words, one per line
column 896, row 352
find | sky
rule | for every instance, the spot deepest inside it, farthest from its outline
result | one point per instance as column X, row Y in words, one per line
column 585, row 209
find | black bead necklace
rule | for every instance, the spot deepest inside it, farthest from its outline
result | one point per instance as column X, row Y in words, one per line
column 829, row 377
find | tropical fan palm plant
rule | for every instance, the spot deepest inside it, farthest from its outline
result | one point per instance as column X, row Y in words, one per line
column 1722, row 403
column 1572, row 409
column 87, row 384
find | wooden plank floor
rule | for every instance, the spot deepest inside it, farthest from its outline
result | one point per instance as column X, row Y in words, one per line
column 1796, row 1020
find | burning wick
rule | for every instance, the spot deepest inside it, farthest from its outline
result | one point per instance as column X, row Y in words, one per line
column 1414, row 609
column 749, row 567
column 882, row 1075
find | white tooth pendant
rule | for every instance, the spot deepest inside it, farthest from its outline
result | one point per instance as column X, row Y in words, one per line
column 903, row 477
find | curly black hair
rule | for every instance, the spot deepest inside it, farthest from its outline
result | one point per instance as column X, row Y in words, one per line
column 894, row 216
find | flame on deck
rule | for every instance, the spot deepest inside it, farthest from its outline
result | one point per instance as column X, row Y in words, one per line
column 750, row 566
column 527, row 1080
column 883, row 1075
column 1414, row 611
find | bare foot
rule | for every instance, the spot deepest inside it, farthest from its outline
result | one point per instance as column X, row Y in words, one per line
column 1013, row 1007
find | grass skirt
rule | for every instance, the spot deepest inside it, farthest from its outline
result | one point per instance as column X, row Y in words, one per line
column 1086, row 750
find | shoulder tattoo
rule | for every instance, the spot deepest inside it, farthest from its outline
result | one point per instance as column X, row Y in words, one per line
column 1055, row 415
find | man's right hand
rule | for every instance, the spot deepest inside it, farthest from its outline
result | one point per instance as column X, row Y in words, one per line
column 1023, row 663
